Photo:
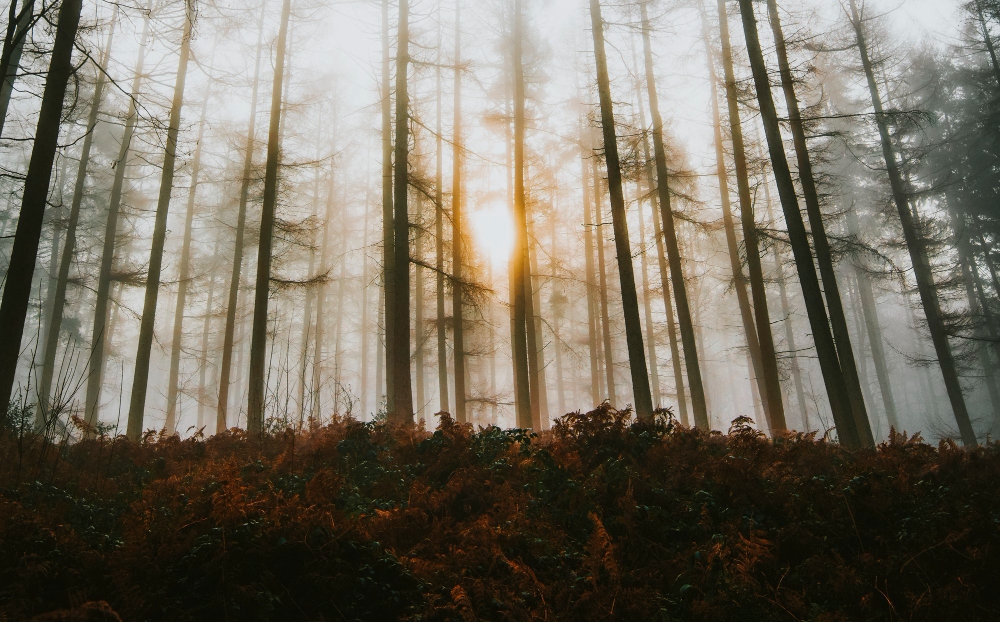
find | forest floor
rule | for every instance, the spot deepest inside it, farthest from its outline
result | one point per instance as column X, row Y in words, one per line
column 601, row 518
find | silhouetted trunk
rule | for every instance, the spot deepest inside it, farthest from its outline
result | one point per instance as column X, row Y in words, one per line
column 693, row 365
column 56, row 226
column 824, row 256
column 602, row 292
column 46, row 403
column 365, row 321
column 101, row 334
column 825, row 347
column 918, row 256
column 419, row 350
column 732, row 242
column 236, row 278
column 18, row 25
column 206, row 354
column 21, row 268
column 402, row 411
column 531, row 335
column 262, row 289
column 184, row 276
column 440, row 321
column 588, row 242
column 388, row 226
column 522, row 377
column 539, row 336
column 458, row 232
column 770, row 391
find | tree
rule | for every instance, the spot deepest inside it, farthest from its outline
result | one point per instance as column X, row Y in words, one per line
column 633, row 326
column 457, row 232
column 137, row 405
column 262, row 285
column 19, row 24
column 918, row 256
column 20, row 270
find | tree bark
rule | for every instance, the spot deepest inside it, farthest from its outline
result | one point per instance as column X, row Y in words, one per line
column 602, row 291
column 46, row 404
column 101, row 336
column 770, row 391
column 825, row 346
column 520, row 347
column 918, row 256
column 184, row 276
column 20, row 270
column 633, row 325
column 458, row 232
column 824, row 255
column 262, row 286
column 236, row 278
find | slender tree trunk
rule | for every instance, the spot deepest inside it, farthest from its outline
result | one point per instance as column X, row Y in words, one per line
column 338, row 335
column 441, row 321
column 100, row 336
column 236, row 278
column 420, row 323
column 388, row 226
column 739, row 279
column 402, row 412
column 522, row 376
column 365, row 322
column 184, row 277
column 539, row 335
column 311, row 294
column 824, row 255
column 918, row 256
column 262, row 289
column 588, row 241
column 602, row 283
column 670, row 234
column 20, row 270
column 770, row 390
column 56, row 226
column 206, row 355
column 324, row 261
column 458, row 233
column 531, row 334
column 46, row 403
column 825, row 347
column 18, row 26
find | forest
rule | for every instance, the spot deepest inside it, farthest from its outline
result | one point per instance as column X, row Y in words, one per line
column 499, row 309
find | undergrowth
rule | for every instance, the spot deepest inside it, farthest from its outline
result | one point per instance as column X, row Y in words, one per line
column 601, row 518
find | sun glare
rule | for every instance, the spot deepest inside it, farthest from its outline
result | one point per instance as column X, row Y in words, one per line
column 494, row 233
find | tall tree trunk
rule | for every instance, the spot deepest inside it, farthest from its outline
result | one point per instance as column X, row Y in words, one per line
column 589, row 223
column 56, row 226
column 539, row 336
column 262, row 286
column 388, row 226
column 770, row 391
column 310, row 293
column 184, row 275
column 206, row 355
column 402, row 411
column 100, row 336
column 739, row 279
column 440, row 323
column 338, row 334
column 518, row 285
column 419, row 350
column 365, row 322
column 825, row 347
column 874, row 327
column 918, row 255
column 236, row 277
column 46, row 404
column 20, row 270
column 695, row 382
column 324, row 262
column 633, row 325
column 18, row 25
column 458, row 232
column 602, row 291
column 824, row 255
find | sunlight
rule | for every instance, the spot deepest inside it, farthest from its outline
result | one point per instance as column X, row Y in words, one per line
column 493, row 229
